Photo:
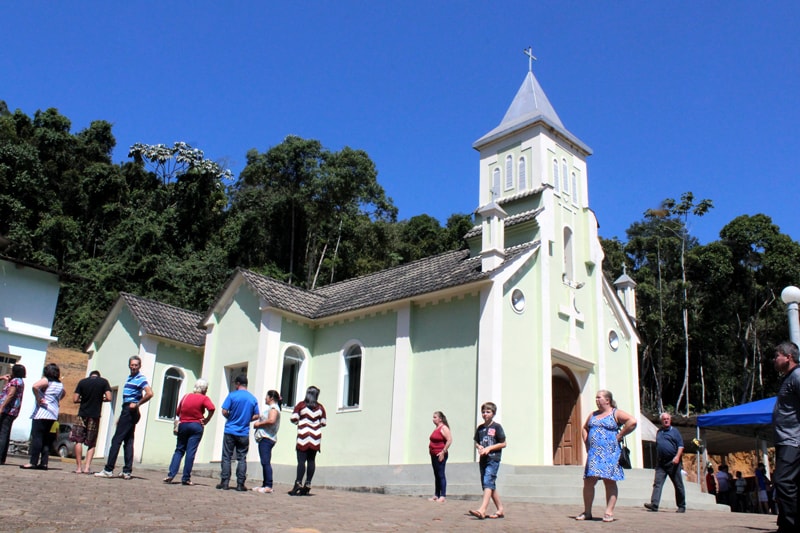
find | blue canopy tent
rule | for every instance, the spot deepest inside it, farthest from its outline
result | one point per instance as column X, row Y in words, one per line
column 737, row 428
column 756, row 413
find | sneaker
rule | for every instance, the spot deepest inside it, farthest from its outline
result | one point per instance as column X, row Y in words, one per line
column 262, row 490
column 104, row 473
column 125, row 475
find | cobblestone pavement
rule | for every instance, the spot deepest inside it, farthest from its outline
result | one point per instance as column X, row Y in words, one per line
column 58, row 500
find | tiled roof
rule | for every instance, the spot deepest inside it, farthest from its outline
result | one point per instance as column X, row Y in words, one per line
column 431, row 274
column 419, row 277
column 166, row 321
column 513, row 220
column 282, row 295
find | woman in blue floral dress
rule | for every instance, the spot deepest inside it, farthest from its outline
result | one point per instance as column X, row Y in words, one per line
column 602, row 434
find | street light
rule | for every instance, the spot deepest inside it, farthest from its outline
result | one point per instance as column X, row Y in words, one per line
column 791, row 297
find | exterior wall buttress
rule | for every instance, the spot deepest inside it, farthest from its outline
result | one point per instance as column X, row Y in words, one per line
column 402, row 354
column 269, row 358
column 490, row 348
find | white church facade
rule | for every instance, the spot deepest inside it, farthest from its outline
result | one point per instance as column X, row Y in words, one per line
column 522, row 316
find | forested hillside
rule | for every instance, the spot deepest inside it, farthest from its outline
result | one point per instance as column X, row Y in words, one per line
column 171, row 225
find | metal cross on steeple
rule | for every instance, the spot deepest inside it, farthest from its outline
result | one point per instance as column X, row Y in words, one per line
column 531, row 58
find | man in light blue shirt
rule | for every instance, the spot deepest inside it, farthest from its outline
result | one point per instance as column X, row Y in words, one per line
column 240, row 408
column 135, row 392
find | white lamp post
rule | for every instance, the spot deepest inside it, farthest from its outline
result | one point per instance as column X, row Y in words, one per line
column 791, row 297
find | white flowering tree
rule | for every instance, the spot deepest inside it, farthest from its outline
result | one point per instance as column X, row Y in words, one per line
column 170, row 162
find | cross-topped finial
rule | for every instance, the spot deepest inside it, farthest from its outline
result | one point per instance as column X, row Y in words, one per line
column 531, row 58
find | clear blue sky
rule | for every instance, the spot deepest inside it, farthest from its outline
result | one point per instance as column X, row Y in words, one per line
column 671, row 96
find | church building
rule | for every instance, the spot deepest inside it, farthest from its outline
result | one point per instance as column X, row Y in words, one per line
column 522, row 316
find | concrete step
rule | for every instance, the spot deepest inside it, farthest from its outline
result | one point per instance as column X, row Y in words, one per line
column 539, row 484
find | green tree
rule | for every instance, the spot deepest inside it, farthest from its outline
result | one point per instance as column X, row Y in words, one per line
column 670, row 213
column 318, row 195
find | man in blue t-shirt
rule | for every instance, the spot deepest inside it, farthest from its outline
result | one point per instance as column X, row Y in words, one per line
column 669, row 449
column 136, row 392
column 239, row 408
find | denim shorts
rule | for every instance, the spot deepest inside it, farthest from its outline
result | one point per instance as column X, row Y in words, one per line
column 489, row 469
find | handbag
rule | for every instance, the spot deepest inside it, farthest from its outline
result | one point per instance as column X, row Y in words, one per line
column 624, row 455
column 176, row 422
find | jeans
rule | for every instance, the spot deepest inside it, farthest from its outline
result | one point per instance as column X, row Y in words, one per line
column 303, row 457
column 241, row 446
column 265, row 446
column 440, row 482
column 489, row 468
column 189, row 435
column 41, row 439
column 123, row 436
column 787, row 480
column 6, row 421
column 674, row 472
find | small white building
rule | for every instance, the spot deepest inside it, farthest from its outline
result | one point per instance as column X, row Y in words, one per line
column 28, row 298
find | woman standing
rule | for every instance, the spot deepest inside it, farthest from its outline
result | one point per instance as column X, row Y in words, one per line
column 10, row 400
column 440, row 441
column 194, row 411
column 266, row 436
column 48, row 392
column 309, row 415
column 602, row 433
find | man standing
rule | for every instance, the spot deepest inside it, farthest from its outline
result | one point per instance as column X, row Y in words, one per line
column 136, row 392
column 91, row 392
column 669, row 446
column 762, row 482
column 787, row 437
column 239, row 408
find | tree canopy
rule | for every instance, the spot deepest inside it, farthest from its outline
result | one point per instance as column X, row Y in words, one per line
column 171, row 225
column 709, row 315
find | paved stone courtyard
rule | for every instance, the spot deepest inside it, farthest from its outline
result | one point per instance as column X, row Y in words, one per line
column 58, row 500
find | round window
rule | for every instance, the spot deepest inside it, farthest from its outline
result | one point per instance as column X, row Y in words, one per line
column 518, row 300
column 613, row 340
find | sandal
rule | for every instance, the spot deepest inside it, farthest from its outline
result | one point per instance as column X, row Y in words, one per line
column 167, row 480
column 187, row 483
column 583, row 516
column 477, row 514
column 608, row 518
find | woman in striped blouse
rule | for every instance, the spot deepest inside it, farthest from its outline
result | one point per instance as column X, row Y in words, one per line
column 309, row 415
column 48, row 392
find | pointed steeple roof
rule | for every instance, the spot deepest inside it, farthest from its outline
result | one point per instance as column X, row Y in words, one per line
column 530, row 106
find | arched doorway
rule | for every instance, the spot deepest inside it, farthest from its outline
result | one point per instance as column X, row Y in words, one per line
column 566, row 419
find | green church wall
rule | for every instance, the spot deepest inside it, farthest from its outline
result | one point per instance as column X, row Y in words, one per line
column 355, row 435
column 443, row 373
column 522, row 367
column 159, row 430
column 122, row 341
column 236, row 335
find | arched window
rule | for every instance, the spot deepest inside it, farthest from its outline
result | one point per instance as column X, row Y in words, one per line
column 509, row 172
column 523, row 174
column 170, row 391
column 574, row 188
column 564, row 175
column 495, row 183
column 555, row 174
column 568, row 265
column 351, row 378
column 290, row 377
